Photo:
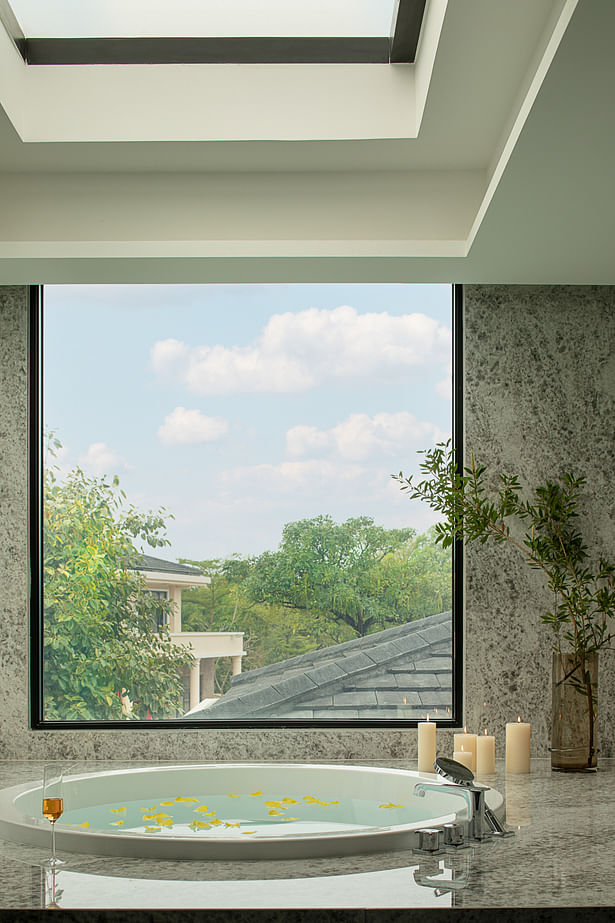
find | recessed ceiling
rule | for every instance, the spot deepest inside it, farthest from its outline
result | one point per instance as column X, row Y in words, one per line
column 507, row 176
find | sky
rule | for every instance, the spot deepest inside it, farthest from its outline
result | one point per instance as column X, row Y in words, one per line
column 239, row 408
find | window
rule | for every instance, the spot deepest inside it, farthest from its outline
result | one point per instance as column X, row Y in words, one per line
column 212, row 31
column 217, row 537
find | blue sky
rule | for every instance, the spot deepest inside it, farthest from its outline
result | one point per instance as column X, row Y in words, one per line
column 242, row 407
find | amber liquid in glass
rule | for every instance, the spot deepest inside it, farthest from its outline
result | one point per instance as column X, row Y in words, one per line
column 52, row 808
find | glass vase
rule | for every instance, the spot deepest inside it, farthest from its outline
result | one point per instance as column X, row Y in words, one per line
column 574, row 745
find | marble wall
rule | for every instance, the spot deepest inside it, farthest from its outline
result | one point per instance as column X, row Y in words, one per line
column 539, row 397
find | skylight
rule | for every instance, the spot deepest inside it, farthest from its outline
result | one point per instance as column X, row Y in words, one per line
column 215, row 18
column 213, row 31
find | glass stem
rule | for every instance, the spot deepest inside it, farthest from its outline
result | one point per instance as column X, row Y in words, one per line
column 53, row 842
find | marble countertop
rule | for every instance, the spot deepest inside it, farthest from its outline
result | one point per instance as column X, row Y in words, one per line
column 561, row 856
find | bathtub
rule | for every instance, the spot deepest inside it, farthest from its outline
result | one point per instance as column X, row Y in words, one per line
column 234, row 811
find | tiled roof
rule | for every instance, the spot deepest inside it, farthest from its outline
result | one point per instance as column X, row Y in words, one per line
column 399, row 672
column 146, row 562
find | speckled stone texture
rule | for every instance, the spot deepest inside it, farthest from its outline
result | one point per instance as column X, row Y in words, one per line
column 558, row 858
column 539, row 401
column 539, row 396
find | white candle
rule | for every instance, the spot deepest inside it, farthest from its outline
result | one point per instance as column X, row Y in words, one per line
column 485, row 755
column 467, row 743
column 518, row 746
column 465, row 757
column 427, row 745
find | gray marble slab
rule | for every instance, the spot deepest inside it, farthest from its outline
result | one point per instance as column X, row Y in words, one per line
column 561, row 856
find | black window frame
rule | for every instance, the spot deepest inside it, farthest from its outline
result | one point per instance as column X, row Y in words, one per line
column 397, row 48
column 36, row 606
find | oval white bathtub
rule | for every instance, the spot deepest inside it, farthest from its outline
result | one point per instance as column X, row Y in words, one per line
column 233, row 811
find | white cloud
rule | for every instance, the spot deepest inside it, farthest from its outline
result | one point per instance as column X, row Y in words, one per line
column 101, row 459
column 298, row 351
column 360, row 437
column 311, row 475
column 190, row 427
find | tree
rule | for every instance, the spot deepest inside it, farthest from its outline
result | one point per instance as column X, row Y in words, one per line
column 335, row 570
column 100, row 641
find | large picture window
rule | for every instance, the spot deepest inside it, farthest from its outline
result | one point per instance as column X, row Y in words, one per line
column 217, row 538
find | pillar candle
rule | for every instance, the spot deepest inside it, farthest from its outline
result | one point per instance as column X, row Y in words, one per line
column 518, row 746
column 467, row 743
column 427, row 745
column 485, row 755
column 465, row 757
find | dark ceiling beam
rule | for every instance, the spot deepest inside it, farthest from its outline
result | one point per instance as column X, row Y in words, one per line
column 405, row 30
column 200, row 50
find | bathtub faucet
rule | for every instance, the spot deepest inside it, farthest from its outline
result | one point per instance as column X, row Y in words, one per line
column 481, row 822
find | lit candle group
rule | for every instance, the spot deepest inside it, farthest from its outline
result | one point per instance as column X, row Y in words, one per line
column 477, row 752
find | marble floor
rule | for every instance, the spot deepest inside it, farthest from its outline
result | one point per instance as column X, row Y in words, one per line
column 561, row 856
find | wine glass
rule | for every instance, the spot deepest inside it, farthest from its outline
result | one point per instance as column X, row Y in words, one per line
column 53, row 805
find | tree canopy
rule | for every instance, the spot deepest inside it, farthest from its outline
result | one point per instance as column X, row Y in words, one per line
column 100, row 641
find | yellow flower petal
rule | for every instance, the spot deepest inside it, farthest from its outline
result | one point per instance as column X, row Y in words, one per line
column 162, row 816
column 199, row 825
column 310, row 799
column 234, row 796
column 150, row 809
column 273, row 804
column 274, row 811
column 254, row 794
column 334, row 802
column 215, row 822
column 247, row 832
column 117, row 810
column 149, row 817
column 203, row 807
column 86, row 823
column 232, row 825
column 390, row 805
column 153, row 829
column 166, row 823
column 289, row 801
column 166, row 804
column 117, row 823
column 185, row 800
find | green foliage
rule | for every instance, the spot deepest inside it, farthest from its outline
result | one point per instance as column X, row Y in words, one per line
column 326, row 584
column 99, row 638
column 543, row 528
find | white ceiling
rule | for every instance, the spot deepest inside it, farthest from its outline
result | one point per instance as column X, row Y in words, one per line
column 510, row 178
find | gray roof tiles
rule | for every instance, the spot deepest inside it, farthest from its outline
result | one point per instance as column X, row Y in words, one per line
column 145, row 562
column 365, row 677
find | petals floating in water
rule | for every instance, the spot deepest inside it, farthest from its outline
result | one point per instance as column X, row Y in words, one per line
column 254, row 794
column 234, row 796
column 86, row 823
column 289, row 801
column 117, row 823
column 166, row 804
column 309, row 799
column 273, row 804
column 153, row 829
column 150, row 809
column 247, row 832
column 226, row 824
column 390, row 805
column 199, row 825
column 275, row 811
column 118, row 810
column 181, row 800
column 203, row 808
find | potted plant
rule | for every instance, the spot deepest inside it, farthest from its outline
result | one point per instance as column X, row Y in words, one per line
column 543, row 527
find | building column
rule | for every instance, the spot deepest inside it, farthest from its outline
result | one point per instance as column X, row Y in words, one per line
column 208, row 676
column 195, row 683
column 236, row 664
